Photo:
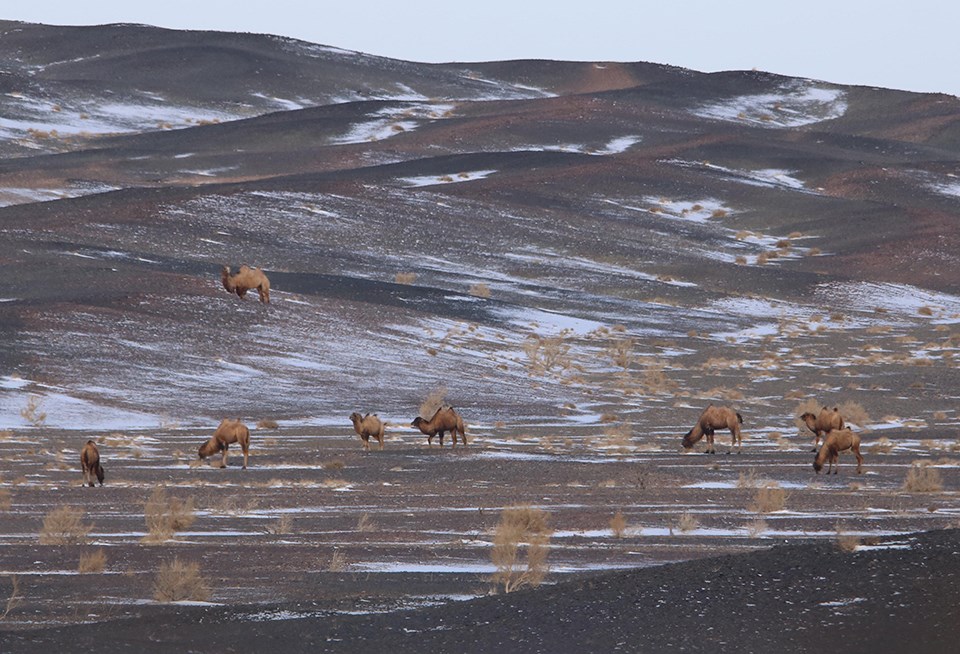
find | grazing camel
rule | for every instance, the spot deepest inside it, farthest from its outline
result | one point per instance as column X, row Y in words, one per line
column 835, row 442
column 821, row 424
column 444, row 420
column 229, row 431
column 367, row 426
column 90, row 464
column 245, row 279
column 713, row 418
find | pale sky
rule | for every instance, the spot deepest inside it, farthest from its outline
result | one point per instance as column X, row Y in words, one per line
column 912, row 45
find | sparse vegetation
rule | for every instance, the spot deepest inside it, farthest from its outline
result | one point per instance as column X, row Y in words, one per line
column 64, row 526
column 618, row 525
column 518, row 526
column 32, row 413
column 15, row 598
column 267, row 423
column 769, row 498
column 405, row 277
column 92, row 562
column 687, row 522
column 479, row 290
column 433, row 402
column 546, row 353
column 337, row 562
column 756, row 527
column 846, row 542
column 177, row 581
column 922, row 478
column 366, row 523
column 166, row 515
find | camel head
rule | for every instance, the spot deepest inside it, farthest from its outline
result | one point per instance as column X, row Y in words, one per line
column 817, row 461
column 225, row 278
column 689, row 440
column 416, row 421
column 209, row 448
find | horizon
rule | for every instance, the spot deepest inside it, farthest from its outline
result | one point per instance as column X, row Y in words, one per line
column 885, row 44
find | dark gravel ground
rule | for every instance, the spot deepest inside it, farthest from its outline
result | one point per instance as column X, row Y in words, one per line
column 904, row 597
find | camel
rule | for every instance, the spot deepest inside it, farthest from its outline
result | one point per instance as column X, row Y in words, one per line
column 444, row 420
column 835, row 442
column 90, row 464
column 367, row 426
column 245, row 279
column 229, row 431
column 821, row 424
column 713, row 418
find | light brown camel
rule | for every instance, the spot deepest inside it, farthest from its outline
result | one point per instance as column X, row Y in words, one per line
column 245, row 279
column 835, row 442
column 90, row 464
column 367, row 426
column 444, row 420
column 229, row 432
column 820, row 424
column 713, row 418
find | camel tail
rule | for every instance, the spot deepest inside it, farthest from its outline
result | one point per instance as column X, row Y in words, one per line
column 740, row 418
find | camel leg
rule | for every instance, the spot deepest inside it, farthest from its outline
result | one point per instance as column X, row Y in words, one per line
column 856, row 451
column 223, row 460
column 441, row 434
column 246, row 451
column 380, row 439
column 364, row 438
column 735, row 439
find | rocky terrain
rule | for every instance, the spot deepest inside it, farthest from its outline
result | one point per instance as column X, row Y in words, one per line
column 578, row 256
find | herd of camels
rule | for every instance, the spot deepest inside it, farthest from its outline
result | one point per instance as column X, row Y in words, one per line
column 828, row 424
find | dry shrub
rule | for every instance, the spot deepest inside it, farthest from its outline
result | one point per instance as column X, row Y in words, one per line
column 846, row 542
column 479, row 290
column 92, row 562
column 433, row 402
column 366, row 523
column 769, row 498
column 621, row 352
column 618, row 525
column 338, row 562
column 922, row 478
column 608, row 417
column 405, row 277
column 6, row 500
column 267, row 423
column 15, row 597
column 32, row 413
column 283, row 525
column 757, row 527
column 687, row 522
column 750, row 479
column 520, row 525
column 64, row 526
column 333, row 464
column 546, row 353
column 655, row 380
column 925, row 311
column 177, row 581
column 166, row 515
column 855, row 413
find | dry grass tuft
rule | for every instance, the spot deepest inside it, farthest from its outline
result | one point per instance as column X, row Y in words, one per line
column 338, row 562
column 366, row 523
column 64, row 526
column 15, row 597
column 883, row 446
column 333, row 464
column 922, row 478
column 687, row 522
column 433, row 402
column 546, row 353
column 479, row 290
column 92, row 562
column 32, row 413
column 178, row 581
column 283, row 525
column 166, row 515
column 618, row 525
column 267, row 423
column 769, row 498
column 6, row 499
column 520, row 525
column 757, row 527
column 846, row 542
column 405, row 277
column 855, row 413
